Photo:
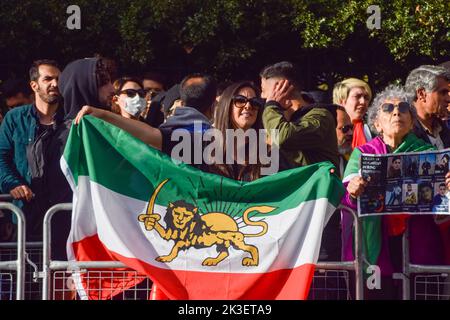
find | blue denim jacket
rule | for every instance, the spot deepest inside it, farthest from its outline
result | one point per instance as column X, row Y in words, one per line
column 17, row 130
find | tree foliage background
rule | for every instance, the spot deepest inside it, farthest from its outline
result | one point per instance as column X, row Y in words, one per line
column 231, row 39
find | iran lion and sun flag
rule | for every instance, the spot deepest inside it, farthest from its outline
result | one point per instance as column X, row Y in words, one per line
column 196, row 235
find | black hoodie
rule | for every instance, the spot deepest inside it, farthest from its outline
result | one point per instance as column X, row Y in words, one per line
column 78, row 86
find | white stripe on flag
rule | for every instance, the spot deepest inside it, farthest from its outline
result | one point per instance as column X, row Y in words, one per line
column 116, row 217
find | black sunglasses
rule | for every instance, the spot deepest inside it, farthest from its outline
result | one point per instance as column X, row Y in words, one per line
column 346, row 128
column 403, row 107
column 240, row 102
column 131, row 93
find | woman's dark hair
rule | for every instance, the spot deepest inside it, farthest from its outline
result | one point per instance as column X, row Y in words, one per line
column 223, row 122
column 392, row 172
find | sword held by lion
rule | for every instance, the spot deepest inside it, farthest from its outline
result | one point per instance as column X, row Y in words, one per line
column 188, row 228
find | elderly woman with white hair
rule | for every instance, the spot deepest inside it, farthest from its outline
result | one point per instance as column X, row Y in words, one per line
column 392, row 117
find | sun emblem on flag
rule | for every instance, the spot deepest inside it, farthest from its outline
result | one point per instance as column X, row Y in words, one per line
column 188, row 228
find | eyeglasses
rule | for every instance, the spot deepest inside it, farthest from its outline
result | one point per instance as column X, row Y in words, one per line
column 240, row 102
column 152, row 92
column 131, row 93
column 346, row 128
column 403, row 107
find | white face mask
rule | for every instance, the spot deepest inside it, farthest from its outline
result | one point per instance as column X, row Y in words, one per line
column 135, row 105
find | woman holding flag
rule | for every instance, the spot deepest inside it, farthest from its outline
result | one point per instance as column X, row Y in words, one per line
column 239, row 108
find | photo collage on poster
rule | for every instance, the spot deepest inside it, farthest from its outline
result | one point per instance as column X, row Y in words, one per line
column 405, row 183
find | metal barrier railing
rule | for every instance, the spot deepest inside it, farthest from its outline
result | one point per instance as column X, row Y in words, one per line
column 49, row 265
column 409, row 268
column 355, row 265
column 19, row 264
column 33, row 264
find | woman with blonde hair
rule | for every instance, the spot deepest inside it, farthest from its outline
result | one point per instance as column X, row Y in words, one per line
column 354, row 95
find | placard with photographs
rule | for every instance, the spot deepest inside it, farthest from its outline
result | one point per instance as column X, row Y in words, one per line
column 412, row 183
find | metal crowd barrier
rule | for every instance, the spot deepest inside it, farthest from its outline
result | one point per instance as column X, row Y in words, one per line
column 410, row 269
column 50, row 266
column 354, row 266
column 33, row 263
column 17, row 265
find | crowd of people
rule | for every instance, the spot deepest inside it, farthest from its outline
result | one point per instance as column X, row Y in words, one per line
column 310, row 129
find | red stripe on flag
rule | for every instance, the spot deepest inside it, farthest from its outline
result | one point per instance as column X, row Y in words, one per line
column 287, row 284
column 103, row 284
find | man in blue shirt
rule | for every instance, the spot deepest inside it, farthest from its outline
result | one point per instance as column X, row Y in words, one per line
column 32, row 139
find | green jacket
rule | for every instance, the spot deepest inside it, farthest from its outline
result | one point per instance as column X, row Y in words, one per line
column 309, row 138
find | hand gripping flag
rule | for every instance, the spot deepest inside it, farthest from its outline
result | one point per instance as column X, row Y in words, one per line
column 196, row 235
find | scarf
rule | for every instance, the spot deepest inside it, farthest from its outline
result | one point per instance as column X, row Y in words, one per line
column 359, row 137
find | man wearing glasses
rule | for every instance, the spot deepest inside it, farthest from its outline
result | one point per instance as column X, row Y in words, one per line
column 428, row 88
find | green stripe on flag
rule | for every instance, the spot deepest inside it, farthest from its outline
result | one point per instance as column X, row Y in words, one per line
column 353, row 163
column 116, row 160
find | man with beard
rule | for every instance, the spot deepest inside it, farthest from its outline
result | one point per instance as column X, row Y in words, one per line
column 87, row 82
column 32, row 139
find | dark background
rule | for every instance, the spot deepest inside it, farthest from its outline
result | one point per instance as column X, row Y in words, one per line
column 232, row 39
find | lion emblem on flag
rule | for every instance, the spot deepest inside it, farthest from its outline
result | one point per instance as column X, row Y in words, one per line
column 188, row 228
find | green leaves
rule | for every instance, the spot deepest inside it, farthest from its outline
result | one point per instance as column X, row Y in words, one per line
column 221, row 36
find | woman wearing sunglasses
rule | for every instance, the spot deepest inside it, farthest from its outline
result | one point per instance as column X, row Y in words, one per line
column 392, row 117
column 129, row 98
column 239, row 107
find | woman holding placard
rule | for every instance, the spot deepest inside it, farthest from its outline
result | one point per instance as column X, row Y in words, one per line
column 392, row 117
